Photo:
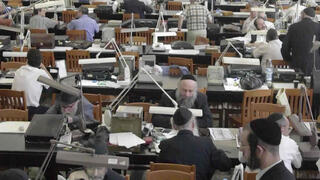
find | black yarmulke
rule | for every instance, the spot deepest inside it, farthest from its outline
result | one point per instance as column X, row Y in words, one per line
column 309, row 11
column 182, row 116
column 13, row 174
column 275, row 117
column 188, row 76
column 267, row 131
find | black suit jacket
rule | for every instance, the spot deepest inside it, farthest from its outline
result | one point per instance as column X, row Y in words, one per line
column 200, row 103
column 185, row 148
column 298, row 43
column 135, row 6
column 278, row 172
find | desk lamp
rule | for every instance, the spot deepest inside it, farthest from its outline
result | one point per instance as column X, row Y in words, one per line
column 263, row 8
column 161, row 20
column 159, row 46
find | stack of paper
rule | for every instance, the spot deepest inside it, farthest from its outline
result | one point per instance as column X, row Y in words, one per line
column 221, row 134
column 126, row 139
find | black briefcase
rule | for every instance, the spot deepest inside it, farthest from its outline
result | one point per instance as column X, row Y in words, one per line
column 43, row 128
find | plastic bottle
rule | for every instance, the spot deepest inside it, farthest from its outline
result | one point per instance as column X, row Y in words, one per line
column 269, row 72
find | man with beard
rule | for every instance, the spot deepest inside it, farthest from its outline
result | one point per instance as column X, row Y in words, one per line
column 260, row 141
column 186, row 148
column 186, row 95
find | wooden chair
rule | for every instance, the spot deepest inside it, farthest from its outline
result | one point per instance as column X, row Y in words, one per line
column 15, row 3
column 89, row 5
column 136, row 57
column 293, row 96
column 96, row 100
column 13, row 115
column 72, row 59
column 188, row 62
column 201, row 41
column 180, row 37
column 68, row 15
column 146, row 115
column 136, row 40
column 249, row 175
column 20, row 59
column 174, row 5
column 6, row 66
column 147, row 35
column 11, row 99
column 169, row 174
column 107, row 99
column 279, row 63
column 172, row 166
column 127, row 16
column 256, row 96
column 119, row 36
column 202, row 71
column 263, row 110
column 215, row 56
column 48, row 59
column 76, row 35
column 39, row 31
column 99, row 3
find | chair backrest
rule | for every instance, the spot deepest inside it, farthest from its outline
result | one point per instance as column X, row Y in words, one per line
column 256, row 96
column 96, row 100
column 13, row 115
column 188, row 62
column 201, row 40
column 180, row 37
column 41, row 31
column 99, row 3
column 127, row 16
column 279, row 63
column 174, row 5
column 136, row 57
column 263, row 110
column 136, row 40
column 202, row 90
column 15, row 3
column 68, row 15
column 293, row 96
column 89, row 5
column 48, row 58
column 146, row 115
column 72, row 59
column 249, row 175
column 119, row 36
column 172, row 166
column 169, row 174
column 5, row 66
column 76, row 35
column 20, row 59
column 215, row 56
column 11, row 99
column 202, row 71
column 147, row 35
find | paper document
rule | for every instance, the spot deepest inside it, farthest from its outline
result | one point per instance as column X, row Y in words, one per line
column 221, row 134
column 61, row 64
column 14, row 126
column 236, row 60
column 184, row 51
column 6, row 80
column 126, row 139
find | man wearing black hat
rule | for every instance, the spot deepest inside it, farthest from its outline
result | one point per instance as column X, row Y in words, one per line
column 298, row 42
column 70, row 106
column 185, row 95
column 185, row 148
column 260, row 141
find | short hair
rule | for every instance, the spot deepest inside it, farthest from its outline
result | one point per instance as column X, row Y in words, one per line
column 185, row 126
column 83, row 10
column 36, row 11
column 272, row 34
column 34, row 57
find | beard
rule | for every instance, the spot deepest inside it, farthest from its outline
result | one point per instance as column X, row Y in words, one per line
column 186, row 101
column 253, row 161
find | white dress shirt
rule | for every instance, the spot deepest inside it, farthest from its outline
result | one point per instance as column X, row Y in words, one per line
column 289, row 153
column 247, row 24
column 25, row 79
column 270, row 50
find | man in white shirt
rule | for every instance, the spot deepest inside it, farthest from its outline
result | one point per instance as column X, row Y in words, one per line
column 40, row 21
column 270, row 49
column 249, row 21
column 288, row 149
column 25, row 79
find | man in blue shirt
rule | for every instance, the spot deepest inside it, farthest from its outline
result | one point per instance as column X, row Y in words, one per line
column 84, row 22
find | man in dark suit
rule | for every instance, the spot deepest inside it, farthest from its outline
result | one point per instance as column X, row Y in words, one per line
column 136, row 6
column 260, row 141
column 298, row 42
column 185, row 148
column 186, row 95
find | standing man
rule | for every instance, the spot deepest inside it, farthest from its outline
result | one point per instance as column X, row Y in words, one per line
column 84, row 22
column 197, row 17
column 136, row 6
column 260, row 141
column 40, row 21
column 298, row 43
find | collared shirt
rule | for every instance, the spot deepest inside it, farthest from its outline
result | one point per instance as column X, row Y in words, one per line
column 270, row 50
column 40, row 22
column 263, row 171
column 197, row 17
column 289, row 153
column 25, row 79
column 85, row 23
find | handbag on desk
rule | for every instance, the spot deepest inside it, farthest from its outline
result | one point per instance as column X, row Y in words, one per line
column 250, row 81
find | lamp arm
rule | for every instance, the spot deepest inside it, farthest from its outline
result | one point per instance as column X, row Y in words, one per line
column 235, row 49
column 222, row 55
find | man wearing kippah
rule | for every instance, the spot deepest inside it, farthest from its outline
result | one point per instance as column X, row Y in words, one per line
column 185, row 95
column 260, row 141
column 185, row 148
column 298, row 42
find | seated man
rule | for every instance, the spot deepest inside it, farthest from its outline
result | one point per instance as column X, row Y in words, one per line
column 84, row 22
column 40, row 21
column 249, row 21
column 269, row 50
column 185, row 148
column 186, row 95
column 288, row 149
column 25, row 79
column 136, row 6
column 4, row 12
column 70, row 106
column 259, row 24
